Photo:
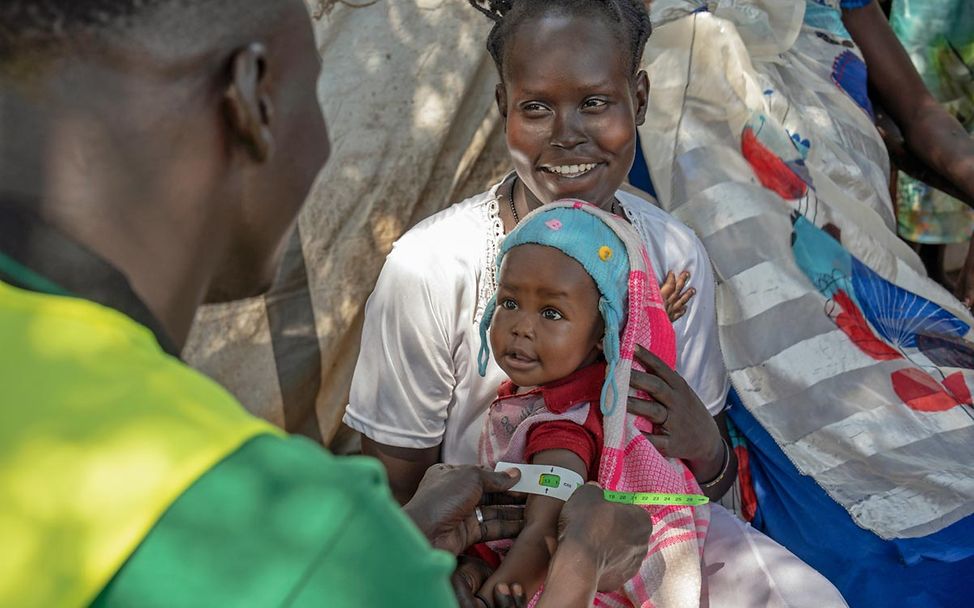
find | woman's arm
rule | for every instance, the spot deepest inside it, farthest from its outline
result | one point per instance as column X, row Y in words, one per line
column 405, row 467
column 527, row 562
column 404, row 379
column 929, row 131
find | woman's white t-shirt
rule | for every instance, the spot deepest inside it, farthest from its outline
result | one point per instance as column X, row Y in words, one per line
column 416, row 383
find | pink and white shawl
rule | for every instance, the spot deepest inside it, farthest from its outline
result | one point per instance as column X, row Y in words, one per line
column 670, row 574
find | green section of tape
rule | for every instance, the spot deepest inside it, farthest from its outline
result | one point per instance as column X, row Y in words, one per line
column 655, row 498
column 549, row 480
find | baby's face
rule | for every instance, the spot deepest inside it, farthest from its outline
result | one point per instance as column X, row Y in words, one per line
column 547, row 323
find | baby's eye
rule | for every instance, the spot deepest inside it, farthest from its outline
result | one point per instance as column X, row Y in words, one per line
column 508, row 304
column 534, row 107
column 551, row 314
column 593, row 103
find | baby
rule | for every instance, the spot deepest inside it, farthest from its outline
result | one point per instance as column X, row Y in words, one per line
column 574, row 296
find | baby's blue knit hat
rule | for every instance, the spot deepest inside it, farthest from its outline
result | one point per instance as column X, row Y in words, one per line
column 577, row 230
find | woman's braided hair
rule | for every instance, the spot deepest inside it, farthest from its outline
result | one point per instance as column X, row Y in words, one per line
column 630, row 16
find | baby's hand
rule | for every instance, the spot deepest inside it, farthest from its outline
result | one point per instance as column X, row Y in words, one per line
column 675, row 299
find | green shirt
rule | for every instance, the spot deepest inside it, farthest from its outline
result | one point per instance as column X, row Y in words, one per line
column 283, row 523
column 276, row 522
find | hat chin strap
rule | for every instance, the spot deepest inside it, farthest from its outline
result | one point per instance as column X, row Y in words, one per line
column 610, row 348
column 483, row 357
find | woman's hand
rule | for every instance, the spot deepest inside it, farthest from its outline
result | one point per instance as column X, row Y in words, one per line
column 682, row 426
column 458, row 506
column 674, row 297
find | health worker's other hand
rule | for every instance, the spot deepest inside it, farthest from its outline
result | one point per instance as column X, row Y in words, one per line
column 682, row 426
column 615, row 536
column 469, row 576
column 458, row 506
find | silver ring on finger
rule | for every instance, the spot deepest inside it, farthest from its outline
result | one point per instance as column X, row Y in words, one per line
column 480, row 521
column 666, row 416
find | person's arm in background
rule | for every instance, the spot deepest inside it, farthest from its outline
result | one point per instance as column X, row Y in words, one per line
column 923, row 139
column 929, row 132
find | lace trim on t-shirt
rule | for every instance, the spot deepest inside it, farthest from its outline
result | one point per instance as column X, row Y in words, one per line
column 636, row 218
column 488, row 273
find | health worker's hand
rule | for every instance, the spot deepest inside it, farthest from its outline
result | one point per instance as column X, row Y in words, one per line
column 601, row 545
column 616, row 535
column 458, row 506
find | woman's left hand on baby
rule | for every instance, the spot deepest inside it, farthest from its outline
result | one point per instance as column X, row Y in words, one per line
column 682, row 426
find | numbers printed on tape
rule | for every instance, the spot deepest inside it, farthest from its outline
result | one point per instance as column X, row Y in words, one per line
column 656, row 498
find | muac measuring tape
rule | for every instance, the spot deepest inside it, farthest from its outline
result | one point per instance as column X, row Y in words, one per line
column 561, row 483
column 656, row 498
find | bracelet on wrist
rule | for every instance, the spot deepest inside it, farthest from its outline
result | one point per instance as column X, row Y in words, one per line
column 723, row 468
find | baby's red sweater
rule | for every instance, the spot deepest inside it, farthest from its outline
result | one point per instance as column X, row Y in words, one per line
column 585, row 440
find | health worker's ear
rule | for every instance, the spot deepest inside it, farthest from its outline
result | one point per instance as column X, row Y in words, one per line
column 500, row 96
column 247, row 104
column 642, row 96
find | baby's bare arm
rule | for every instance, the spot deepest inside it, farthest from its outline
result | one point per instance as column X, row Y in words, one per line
column 527, row 562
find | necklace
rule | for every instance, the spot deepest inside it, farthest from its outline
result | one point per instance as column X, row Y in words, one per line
column 510, row 199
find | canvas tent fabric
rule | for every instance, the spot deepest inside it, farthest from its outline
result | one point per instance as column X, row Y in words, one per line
column 407, row 89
